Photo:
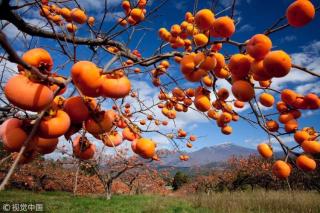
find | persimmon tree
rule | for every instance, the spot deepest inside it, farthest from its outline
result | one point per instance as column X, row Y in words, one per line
column 36, row 113
column 116, row 167
column 242, row 173
column 251, row 171
column 239, row 172
column 145, row 179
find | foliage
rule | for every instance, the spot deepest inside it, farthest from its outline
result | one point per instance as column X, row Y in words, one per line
column 60, row 176
column 179, row 179
column 243, row 173
column 3, row 153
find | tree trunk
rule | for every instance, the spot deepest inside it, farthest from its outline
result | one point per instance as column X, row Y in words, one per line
column 76, row 181
column 108, row 190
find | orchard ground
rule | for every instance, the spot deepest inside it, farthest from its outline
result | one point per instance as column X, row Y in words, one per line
column 245, row 201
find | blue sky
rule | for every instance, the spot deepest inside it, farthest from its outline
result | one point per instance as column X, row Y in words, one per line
column 252, row 16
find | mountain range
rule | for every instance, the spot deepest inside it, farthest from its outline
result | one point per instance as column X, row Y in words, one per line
column 207, row 155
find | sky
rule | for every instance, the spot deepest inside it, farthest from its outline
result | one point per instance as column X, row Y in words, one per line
column 251, row 16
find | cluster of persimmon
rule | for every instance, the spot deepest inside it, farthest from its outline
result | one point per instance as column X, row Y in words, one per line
column 257, row 63
column 307, row 139
column 159, row 71
column 92, row 82
column 137, row 53
column 196, row 30
column 201, row 66
column 157, row 122
column 66, row 117
column 203, row 25
column 201, row 62
column 289, row 109
column 298, row 14
column 290, row 105
column 134, row 13
column 184, row 157
column 128, row 63
column 226, row 115
column 60, row 15
column 179, row 101
column 183, row 134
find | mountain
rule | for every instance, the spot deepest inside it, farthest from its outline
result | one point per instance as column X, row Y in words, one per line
column 208, row 155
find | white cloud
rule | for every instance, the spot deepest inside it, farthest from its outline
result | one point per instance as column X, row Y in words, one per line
column 288, row 38
column 254, row 142
column 189, row 118
column 8, row 69
column 310, row 113
column 144, row 89
column 307, row 88
column 14, row 34
column 246, row 28
column 36, row 22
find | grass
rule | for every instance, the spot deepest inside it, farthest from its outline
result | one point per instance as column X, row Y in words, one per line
column 65, row 202
column 260, row 202
column 235, row 202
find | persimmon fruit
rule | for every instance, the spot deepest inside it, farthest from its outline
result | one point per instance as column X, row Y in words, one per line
column 26, row 94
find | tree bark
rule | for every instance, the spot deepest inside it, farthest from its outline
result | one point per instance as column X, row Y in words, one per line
column 76, row 181
column 108, row 190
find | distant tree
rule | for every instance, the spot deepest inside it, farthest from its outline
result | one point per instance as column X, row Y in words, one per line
column 179, row 179
column 87, row 169
column 251, row 172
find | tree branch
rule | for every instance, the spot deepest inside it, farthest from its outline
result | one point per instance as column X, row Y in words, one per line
column 305, row 70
